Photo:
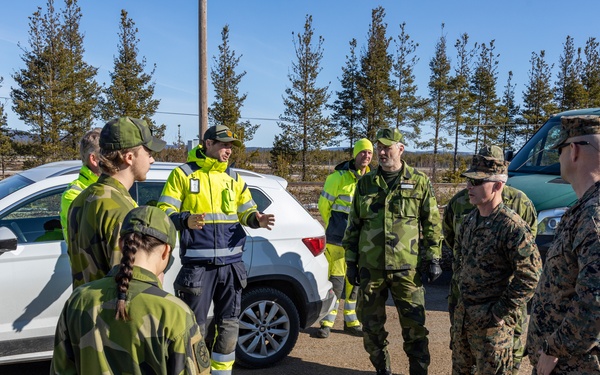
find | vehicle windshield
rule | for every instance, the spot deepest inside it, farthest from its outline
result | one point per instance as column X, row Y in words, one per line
column 12, row 184
column 536, row 155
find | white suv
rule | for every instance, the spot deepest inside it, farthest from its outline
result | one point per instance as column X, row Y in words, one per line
column 288, row 286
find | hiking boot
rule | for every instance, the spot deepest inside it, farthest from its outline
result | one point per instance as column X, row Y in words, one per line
column 385, row 371
column 323, row 332
column 354, row 331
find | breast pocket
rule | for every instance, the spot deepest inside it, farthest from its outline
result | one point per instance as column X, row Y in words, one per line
column 407, row 204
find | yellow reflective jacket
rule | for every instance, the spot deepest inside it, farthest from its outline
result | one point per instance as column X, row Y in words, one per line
column 205, row 185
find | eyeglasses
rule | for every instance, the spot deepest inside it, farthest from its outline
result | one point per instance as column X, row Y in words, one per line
column 581, row 143
column 476, row 182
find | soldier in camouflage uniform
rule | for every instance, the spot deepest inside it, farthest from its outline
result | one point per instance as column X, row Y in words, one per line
column 496, row 267
column 95, row 216
column 564, row 328
column 457, row 208
column 125, row 323
column 393, row 227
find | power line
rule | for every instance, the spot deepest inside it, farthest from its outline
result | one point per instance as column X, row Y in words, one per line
column 196, row 115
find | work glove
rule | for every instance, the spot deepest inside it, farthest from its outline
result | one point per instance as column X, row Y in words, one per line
column 352, row 273
column 434, row 270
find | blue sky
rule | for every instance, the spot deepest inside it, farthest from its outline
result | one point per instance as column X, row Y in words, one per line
column 261, row 32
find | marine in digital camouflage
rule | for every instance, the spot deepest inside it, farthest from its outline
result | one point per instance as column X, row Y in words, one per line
column 456, row 210
column 162, row 336
column 95, row 218
column 497, row 266
column 565, row 310
column 390, row 232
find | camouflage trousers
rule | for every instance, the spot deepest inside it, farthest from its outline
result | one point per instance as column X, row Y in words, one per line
column 408, row 295
column 478, row 341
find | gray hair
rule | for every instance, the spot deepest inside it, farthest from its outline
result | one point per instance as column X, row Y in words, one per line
column 89, row 144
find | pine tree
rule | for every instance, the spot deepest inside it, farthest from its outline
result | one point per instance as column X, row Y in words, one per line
column 537, row 98
column 7, row 152
column 591, row 73
column 569, row 92
column 39, row 98
column 507, row 114
column 439, row 99
column 131, row 92
column 461, row 98
column 346, row 108
column 82, row 93
column 303, row 123
column 483, row 86
column 409, row 109
column 226, row 109
column 374, row 83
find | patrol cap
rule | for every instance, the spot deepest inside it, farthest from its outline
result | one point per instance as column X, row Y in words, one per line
column 127, row 132
column 361, row 145
column 574, row 126
column 151, row 221
column 223, row 134
column 389, row 136
column 488, row 162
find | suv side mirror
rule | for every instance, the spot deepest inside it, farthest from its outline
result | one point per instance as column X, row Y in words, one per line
column 509, row 155
column 8, row 240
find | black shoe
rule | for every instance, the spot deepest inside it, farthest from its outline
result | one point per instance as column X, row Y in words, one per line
column 385, row 371
column 354, row 331
column 323, row 332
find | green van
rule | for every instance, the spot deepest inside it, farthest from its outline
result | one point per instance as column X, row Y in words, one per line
column 535, row 171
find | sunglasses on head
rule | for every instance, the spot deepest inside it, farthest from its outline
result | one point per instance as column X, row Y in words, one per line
column 476, row 182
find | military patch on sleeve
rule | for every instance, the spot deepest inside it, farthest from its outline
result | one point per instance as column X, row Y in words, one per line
column 202, row 355
column 194, row 185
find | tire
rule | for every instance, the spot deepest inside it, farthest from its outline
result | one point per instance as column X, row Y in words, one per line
column 269, row 327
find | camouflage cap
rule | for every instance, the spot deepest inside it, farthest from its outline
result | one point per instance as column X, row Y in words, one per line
column 389, row 136
column 488, row 162
column 127, row 132
column 223, row 134
column 574, row 126
column 151, row 221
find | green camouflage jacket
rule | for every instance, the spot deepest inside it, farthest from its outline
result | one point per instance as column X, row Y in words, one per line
column 85, row 179
column 393, row 229
column 95, row 219
column 565, row 309
column 497, row 264
column 161, row 337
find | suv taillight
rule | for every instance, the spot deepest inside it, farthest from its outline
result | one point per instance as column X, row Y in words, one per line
column 316, row 245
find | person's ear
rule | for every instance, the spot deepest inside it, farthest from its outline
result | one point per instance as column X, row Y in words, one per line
column 166, row 252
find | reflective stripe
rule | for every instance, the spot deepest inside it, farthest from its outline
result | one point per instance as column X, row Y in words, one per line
column 189, row 168
column 170, row 200
column 345, row 198
column 170, row 211
column 246, row 206
column 339, row 207
column 75, row 187
column 209, row 253
column 222, row 364
column 329, row 319
column 327, row 196
column 223, row 358
column 214, row 218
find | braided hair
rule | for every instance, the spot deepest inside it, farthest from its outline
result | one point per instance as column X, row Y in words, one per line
column 132, row 242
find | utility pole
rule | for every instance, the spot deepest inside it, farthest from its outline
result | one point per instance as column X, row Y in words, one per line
column 203, row 73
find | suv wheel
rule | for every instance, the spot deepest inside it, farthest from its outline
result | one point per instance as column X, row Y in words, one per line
column 269, row 326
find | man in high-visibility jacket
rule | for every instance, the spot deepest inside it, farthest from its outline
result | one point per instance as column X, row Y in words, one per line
column 334, row 205
column 89, row 150
column 209, row 203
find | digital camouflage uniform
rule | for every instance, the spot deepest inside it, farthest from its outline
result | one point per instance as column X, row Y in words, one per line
column 390, row 232
column 565, row 310
column 457, row 208
column 162, row 336
column 497, row 266
column 334, row 206
column 95, row 218
column 86, row 178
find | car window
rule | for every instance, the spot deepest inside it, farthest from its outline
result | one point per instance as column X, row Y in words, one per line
column 12, row 184
column 36, row 219
column 147, row 193
column 536, row 156
column 261, row 199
